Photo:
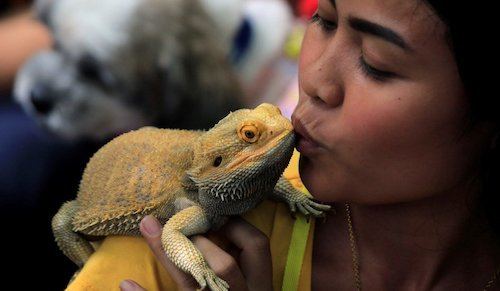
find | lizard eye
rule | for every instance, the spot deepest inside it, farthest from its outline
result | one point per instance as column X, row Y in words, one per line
column 218, row 161
column 249, row 133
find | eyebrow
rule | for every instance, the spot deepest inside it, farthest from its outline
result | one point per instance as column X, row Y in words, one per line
column 385, row 33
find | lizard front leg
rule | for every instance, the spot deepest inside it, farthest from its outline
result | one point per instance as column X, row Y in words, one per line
column 183, row 253
column 284, row 191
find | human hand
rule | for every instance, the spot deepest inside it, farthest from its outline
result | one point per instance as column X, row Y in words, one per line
column 247, row 267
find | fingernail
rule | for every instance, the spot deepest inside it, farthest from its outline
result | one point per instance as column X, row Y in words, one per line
column 151, row 226
column 127, row 285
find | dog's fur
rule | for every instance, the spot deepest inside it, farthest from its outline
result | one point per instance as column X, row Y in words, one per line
column 121, row 64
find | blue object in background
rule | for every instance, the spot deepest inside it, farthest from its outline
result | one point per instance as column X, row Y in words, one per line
column 37, row 174
column 241, row 41
column 26, row 157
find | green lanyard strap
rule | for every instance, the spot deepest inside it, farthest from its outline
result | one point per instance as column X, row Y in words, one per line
column 296, row 253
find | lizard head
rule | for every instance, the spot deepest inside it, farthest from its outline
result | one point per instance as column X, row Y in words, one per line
column 241, row 157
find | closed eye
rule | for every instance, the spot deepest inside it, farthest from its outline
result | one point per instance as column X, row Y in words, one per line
column 326, row 25
column 374, row 73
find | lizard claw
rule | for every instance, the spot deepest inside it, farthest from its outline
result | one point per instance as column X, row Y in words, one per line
column 208, row 277
column 308, row 207
column 293, row 210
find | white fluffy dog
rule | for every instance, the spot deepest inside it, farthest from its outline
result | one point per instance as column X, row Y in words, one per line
column 121, row 64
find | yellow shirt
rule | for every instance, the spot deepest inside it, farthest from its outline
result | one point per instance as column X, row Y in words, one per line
column 124, row 257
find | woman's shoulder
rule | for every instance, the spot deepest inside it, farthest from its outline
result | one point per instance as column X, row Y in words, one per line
column 125, row 257
column 119, row 258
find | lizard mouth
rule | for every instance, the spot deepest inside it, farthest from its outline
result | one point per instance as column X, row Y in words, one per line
column 274, row 149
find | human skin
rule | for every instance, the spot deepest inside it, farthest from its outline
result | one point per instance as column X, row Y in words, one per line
column 393, row 140
column 21, row 36
column 398, row 136
column 251, row 271
column 393, row 145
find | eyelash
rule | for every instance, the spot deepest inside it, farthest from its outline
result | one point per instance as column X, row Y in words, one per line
column 325, row 25
column 371, row 72
column 374, row 73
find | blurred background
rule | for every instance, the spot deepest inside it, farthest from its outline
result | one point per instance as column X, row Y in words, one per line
column 41, row 168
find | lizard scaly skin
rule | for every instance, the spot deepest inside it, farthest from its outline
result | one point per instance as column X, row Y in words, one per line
column 192, row 181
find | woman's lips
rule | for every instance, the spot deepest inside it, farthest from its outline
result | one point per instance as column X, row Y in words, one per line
column 305, row 143
column 306, row 146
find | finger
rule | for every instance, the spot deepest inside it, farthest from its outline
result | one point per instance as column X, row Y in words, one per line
column 223, row 264
column 151, row 230
column 255, row 257
column 129, row 285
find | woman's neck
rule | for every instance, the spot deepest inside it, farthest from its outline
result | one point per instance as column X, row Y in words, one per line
column 421, row 245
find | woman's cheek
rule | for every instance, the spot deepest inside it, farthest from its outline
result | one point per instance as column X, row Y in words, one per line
column 376, row 126
column 395, row 150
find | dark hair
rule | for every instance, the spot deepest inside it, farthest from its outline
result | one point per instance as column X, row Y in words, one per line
column 471, row 35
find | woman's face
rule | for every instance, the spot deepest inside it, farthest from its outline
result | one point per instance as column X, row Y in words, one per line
column 382, row 109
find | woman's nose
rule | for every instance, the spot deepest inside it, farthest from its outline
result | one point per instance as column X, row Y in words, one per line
column 332, row 95
column 324, row 69
column 323, row 87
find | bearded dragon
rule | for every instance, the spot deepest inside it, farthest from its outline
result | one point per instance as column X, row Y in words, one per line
column 192, row 181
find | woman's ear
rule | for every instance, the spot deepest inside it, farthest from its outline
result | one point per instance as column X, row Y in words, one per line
column 43, row 9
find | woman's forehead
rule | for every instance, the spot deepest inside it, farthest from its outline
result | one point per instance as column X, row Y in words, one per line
column 414, row 20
